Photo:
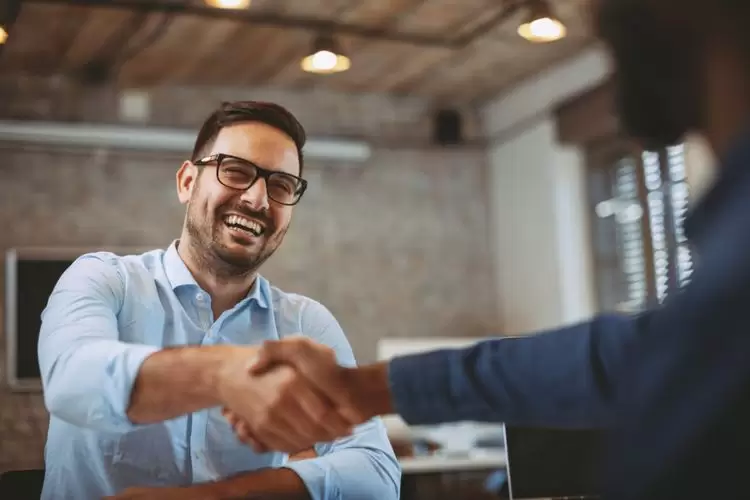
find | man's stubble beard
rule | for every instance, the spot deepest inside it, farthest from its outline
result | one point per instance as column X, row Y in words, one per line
column 210, row 253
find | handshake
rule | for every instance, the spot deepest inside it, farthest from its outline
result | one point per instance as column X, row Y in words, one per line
column 293, row 394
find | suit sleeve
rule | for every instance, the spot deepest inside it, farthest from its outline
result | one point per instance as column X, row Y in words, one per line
column 558, row 378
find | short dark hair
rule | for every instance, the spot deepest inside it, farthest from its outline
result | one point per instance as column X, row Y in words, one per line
column 233, row 112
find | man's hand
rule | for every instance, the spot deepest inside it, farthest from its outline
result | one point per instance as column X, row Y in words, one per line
column 358, row 393
column 279, row 408
column 317, row 364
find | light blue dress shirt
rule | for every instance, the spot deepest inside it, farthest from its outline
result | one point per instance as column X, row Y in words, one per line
column 108, row 313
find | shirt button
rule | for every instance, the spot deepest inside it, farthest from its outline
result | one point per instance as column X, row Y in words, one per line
column 200, row 297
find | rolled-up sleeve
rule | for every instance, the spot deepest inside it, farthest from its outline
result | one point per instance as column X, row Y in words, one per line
column 87, row 372
column 361, row 466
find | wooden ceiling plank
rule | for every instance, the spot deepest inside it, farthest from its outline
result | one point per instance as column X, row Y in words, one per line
column 154, row 64
column 274, row 58
column 235, row 58
column 381, row 12
column 320, row 9
column 207, row 57
column 437, row 17
column 97, row 31
column 36, row 45
column 403, row 72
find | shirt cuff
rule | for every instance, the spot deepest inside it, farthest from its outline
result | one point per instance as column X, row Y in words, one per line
column 126, row 370
column 317, row 478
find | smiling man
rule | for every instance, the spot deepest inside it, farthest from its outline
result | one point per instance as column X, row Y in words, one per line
column 139, row 354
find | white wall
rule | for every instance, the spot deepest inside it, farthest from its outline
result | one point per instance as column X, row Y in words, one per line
column 540, row 223
column 540, row 233
column 539, row 219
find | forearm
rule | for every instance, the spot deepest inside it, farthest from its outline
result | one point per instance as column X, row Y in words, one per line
column 267, row 484
column 557, row 378
column 177, row 381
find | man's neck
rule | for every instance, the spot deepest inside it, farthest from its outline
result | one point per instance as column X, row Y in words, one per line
column 225, row 289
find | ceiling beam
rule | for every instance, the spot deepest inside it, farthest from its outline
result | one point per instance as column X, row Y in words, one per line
column 265, row 19
column 305, row 23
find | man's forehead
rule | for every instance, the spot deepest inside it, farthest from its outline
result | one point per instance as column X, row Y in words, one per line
column 261, row 144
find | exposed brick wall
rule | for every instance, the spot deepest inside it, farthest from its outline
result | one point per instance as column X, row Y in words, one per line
column 396, row 248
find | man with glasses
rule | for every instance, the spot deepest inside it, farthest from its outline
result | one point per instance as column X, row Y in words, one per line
column 141, row 355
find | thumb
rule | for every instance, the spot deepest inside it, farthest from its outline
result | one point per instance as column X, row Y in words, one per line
column 271, row 353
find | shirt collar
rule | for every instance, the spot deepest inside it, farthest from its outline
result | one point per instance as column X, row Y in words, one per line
column 179, row 275
column 733, row 173
column 177, row 272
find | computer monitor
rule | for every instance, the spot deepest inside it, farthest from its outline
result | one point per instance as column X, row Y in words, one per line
column 547, row 463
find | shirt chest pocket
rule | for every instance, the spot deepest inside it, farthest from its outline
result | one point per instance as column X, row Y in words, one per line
column 148, row 456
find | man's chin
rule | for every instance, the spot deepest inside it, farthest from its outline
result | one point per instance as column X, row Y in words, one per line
column 238, row 257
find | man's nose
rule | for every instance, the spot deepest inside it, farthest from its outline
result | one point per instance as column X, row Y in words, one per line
column 256, row 196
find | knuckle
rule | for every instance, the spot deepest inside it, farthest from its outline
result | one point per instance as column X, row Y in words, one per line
column 319, row 412
column 261, row 424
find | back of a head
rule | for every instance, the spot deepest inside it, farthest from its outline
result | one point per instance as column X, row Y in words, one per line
column 660, row 48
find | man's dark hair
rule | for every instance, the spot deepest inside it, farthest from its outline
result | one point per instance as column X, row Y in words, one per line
column 269, row 113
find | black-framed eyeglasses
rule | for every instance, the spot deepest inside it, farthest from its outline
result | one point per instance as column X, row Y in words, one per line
column 240, row 174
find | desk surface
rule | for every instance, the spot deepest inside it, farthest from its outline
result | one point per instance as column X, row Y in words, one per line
column 476, row 460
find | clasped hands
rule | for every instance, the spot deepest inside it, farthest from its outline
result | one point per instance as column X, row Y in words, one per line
column 291, row 395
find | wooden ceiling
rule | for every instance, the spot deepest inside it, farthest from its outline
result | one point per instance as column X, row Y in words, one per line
column 420, row 52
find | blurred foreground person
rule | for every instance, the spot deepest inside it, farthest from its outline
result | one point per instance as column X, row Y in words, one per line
column 673, row 383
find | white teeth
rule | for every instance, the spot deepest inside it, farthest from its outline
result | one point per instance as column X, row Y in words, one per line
column 249, row 225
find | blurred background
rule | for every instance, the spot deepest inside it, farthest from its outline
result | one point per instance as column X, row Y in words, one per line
column 468, row 173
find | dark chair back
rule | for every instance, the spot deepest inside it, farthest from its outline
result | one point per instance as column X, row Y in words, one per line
column 22, row 484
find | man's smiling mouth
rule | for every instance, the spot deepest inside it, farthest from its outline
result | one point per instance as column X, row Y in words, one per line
column 244, row 224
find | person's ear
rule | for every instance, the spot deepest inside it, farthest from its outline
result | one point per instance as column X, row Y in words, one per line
column 187, row 177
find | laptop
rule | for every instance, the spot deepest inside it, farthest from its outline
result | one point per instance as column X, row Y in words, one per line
column 546, row 463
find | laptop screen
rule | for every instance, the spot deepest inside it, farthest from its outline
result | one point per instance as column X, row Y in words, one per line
column 553, row 463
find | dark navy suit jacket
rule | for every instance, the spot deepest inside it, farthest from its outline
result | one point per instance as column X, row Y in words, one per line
column 672, row 384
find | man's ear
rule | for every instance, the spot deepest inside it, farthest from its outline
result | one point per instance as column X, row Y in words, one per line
column 187, row 176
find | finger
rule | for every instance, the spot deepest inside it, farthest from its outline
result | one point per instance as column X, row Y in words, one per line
column 271, row 353
column 322, row 422
column 245, row 435
column 232, row 418
column 282, row 435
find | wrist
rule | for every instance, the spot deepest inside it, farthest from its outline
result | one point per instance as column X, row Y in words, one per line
column 370, row 391
column 223, row 368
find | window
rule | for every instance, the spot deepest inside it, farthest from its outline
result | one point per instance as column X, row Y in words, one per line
column 639, row 201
